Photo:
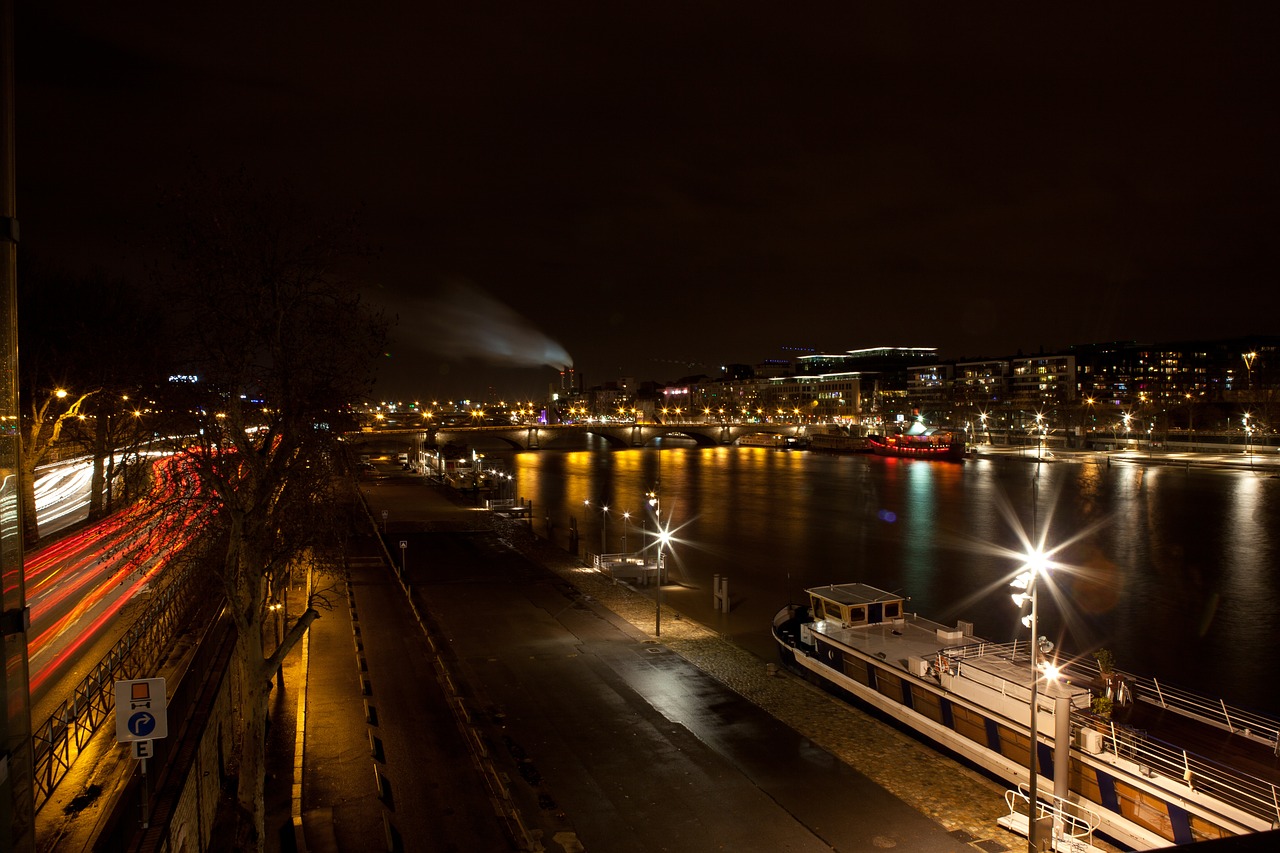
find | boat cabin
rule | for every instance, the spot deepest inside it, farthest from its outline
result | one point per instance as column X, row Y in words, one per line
column 854, row 604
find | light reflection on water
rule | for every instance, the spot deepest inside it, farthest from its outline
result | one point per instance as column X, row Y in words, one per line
column 1178, row 572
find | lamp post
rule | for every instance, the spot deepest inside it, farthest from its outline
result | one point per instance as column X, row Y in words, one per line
column 664, row 537
column 1026, row 580
column 604, row 525
column 1248, row 439
column 626, row 518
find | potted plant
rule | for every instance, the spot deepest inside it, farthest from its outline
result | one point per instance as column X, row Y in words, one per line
column 1102, row 706
column 1107, row 670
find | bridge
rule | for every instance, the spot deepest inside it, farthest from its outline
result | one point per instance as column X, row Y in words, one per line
column 539, row 436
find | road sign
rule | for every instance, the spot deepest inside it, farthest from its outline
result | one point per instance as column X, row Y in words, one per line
column 403, row 544
column 143, row 748
column 141, row 710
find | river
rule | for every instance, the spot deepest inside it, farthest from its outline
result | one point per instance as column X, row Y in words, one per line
column 1176, row 571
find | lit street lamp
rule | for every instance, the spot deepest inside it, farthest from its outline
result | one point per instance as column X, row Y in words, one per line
column 1035, row 566
column 626, row 518
column 604, row 525
column 1248, row 439
column 664, row 538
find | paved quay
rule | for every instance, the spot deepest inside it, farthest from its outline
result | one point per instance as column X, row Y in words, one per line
column 596, row 736
column 538, row 706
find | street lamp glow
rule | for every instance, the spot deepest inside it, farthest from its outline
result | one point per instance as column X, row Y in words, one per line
column 1035, row 565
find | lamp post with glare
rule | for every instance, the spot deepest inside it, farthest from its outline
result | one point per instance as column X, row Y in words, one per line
column 1248, row 439
column 604, row 525
column 626, row 518
column 1035, row 566
column 664, row 538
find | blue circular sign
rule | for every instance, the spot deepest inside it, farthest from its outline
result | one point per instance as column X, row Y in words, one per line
column 142, row 724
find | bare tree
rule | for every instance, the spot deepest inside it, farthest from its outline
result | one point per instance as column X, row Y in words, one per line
column 42, row 427
column 277, row 346
column 94, row 335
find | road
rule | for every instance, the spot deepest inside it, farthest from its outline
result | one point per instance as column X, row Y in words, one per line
column 79, row 584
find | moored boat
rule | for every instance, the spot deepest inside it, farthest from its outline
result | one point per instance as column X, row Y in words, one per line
column 766, row 439
column 1167, row 767
column 838, row 441
column 919, row 442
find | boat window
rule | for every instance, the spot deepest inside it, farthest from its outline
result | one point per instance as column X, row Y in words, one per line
column 857, row 615
column 892, row 609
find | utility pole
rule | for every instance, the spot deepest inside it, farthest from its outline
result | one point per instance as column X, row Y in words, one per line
column 17, row 793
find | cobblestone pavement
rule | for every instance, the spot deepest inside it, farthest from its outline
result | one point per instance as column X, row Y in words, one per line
column 961, row 800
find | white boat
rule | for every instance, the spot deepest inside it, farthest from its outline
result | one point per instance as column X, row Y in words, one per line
column 1168, row 768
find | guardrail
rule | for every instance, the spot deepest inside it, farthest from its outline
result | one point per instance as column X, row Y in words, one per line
column 58, row 741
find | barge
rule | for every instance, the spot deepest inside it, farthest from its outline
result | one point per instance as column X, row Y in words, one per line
column 1164, row 767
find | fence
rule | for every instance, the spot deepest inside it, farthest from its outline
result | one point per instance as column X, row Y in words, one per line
column 59, row 740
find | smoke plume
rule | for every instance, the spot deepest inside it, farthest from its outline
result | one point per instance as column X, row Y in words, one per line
column 463, row 321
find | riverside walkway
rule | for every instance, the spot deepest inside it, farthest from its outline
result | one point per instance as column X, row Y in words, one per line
column 537, row 712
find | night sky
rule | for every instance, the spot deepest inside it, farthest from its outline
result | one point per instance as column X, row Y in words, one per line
column 656, row 189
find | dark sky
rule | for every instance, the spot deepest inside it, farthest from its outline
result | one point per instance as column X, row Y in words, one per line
column 655, row 189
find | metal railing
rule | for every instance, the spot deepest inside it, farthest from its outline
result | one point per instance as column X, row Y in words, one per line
column 1070, row 822
column 58, row 741
column 1246, row 792
column 1156, row 758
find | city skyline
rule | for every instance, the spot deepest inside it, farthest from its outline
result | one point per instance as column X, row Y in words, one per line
column 633, row 190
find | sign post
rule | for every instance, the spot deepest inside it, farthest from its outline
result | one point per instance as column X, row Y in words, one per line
column 404, row 545
column 141, row 717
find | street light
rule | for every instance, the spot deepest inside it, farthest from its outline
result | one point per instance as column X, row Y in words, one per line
column 626, row 518
column 1036, row 565
column 664, row 538
column 1248, row 439
column 604, row 524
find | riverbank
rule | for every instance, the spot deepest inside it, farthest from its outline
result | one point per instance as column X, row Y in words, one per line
column 964, row 802
column 1267, row 462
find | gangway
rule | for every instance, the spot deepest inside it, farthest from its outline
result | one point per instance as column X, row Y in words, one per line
column 1062, row 825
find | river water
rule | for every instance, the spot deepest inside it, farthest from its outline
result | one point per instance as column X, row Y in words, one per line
column 1177, row 572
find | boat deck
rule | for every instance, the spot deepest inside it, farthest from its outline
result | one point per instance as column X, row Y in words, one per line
column 1208, row 745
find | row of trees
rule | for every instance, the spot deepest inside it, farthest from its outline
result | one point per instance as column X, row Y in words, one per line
column 251, row 304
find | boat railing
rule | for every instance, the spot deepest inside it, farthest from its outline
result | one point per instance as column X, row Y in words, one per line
column 1071, row 822
column 1216, row 712
column 1155, row 758
column 977, row 650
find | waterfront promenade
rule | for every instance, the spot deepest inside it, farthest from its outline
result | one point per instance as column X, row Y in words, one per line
column 581, row 731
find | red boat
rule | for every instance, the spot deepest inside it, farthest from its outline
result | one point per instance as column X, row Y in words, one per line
column 920, row 442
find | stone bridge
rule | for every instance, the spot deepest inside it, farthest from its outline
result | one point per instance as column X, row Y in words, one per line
column 537, row 436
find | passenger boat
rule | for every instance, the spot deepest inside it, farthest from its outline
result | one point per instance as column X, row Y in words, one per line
column 919, row 442
column 1165, row 768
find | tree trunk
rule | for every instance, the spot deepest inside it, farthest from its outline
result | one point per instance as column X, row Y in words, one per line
column 100, row 450
column 255, row 695
column 30, row 522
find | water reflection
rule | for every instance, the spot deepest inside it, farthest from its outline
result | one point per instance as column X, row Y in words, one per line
column 1175, row 571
